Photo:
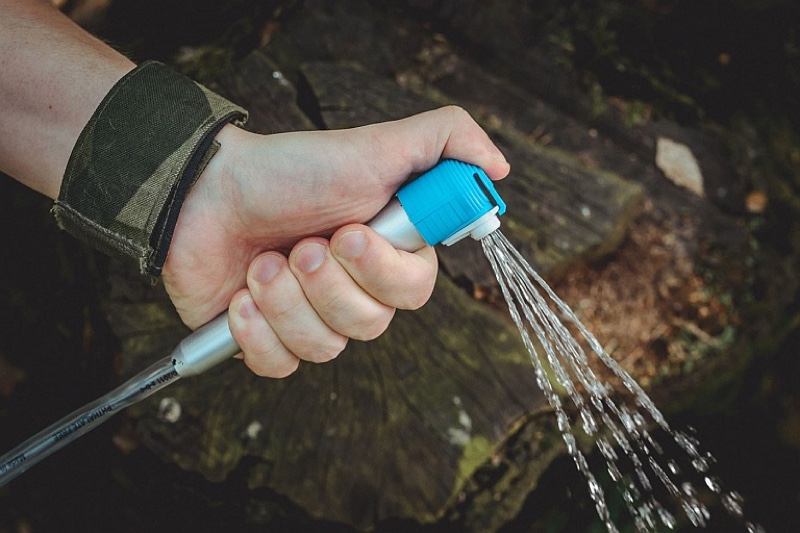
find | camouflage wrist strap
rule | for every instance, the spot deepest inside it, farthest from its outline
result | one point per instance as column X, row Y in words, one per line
column 135, row 161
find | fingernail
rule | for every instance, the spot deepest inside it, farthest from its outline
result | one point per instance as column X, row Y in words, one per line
column 247, row 307
column 351, row 244
column 267, row 267
column 309, row 257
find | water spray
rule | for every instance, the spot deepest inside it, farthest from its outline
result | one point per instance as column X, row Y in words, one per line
column 451, row 201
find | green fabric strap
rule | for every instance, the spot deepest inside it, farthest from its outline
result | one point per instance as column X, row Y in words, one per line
column 136, row 160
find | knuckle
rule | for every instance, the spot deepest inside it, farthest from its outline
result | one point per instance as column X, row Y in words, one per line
column 413, row 293
column 374, row 327
column 412, row 303
column 416, row 299
column 266, row 364
column 457, row 112
column 327, row 351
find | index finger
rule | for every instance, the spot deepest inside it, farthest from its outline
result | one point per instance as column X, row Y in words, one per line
column 420, row 141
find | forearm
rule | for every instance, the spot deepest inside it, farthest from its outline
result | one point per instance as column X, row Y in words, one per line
column 54, row 74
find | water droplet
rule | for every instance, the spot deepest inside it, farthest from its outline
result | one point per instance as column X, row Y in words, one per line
column 713, row 484
column 634, row 491
column 597, row 401
column 673, row 467
column 541, row 382
column 644, row 481
column 614, row 472
column 563, row 421
column 754, row 528
column 695, row 512
column 652, row 442
column 700, row 464
column 627, row 423
column 733, row 503
column 572, row 446
column 589, row 423
column 666, row 518
column 607, row 450
column 629, row 497
column 646, row 513
column 594, row 488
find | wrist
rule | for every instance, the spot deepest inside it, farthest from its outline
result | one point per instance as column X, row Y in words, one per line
column 124, row 187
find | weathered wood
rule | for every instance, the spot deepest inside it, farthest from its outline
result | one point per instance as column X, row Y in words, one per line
column 550, row 102
column 270, row 98
column 396, row 428
column 392, row 428
column 385, row 439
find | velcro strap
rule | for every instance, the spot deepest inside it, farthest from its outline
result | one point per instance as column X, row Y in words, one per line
column 136, row 160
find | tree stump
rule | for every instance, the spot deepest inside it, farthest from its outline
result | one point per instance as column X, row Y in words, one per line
column 439, row 419
column 398, row 427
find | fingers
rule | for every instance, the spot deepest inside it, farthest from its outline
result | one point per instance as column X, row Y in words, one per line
column 281, row 327
column 337, row 298
column 306, row 307
column 263, row 351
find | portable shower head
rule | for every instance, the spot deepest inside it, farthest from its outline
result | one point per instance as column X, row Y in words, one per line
column 444, row 205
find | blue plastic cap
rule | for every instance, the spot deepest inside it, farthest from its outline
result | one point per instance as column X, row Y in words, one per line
column 448, row 198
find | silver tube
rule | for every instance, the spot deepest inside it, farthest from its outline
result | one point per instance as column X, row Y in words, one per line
column 393, row 224
column 206, row 347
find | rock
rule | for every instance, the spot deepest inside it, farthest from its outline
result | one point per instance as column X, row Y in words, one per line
column 679, row 165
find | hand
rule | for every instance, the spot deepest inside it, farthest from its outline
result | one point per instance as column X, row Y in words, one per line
column 305, row 194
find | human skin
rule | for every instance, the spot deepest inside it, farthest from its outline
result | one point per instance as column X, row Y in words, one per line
column 272, row 229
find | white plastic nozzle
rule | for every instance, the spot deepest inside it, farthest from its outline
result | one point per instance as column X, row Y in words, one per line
column 478, row 229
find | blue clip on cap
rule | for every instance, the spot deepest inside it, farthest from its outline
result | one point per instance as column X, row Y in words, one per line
column 450, row 201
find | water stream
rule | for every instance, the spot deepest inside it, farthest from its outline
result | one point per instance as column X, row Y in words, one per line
column 655, row 485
